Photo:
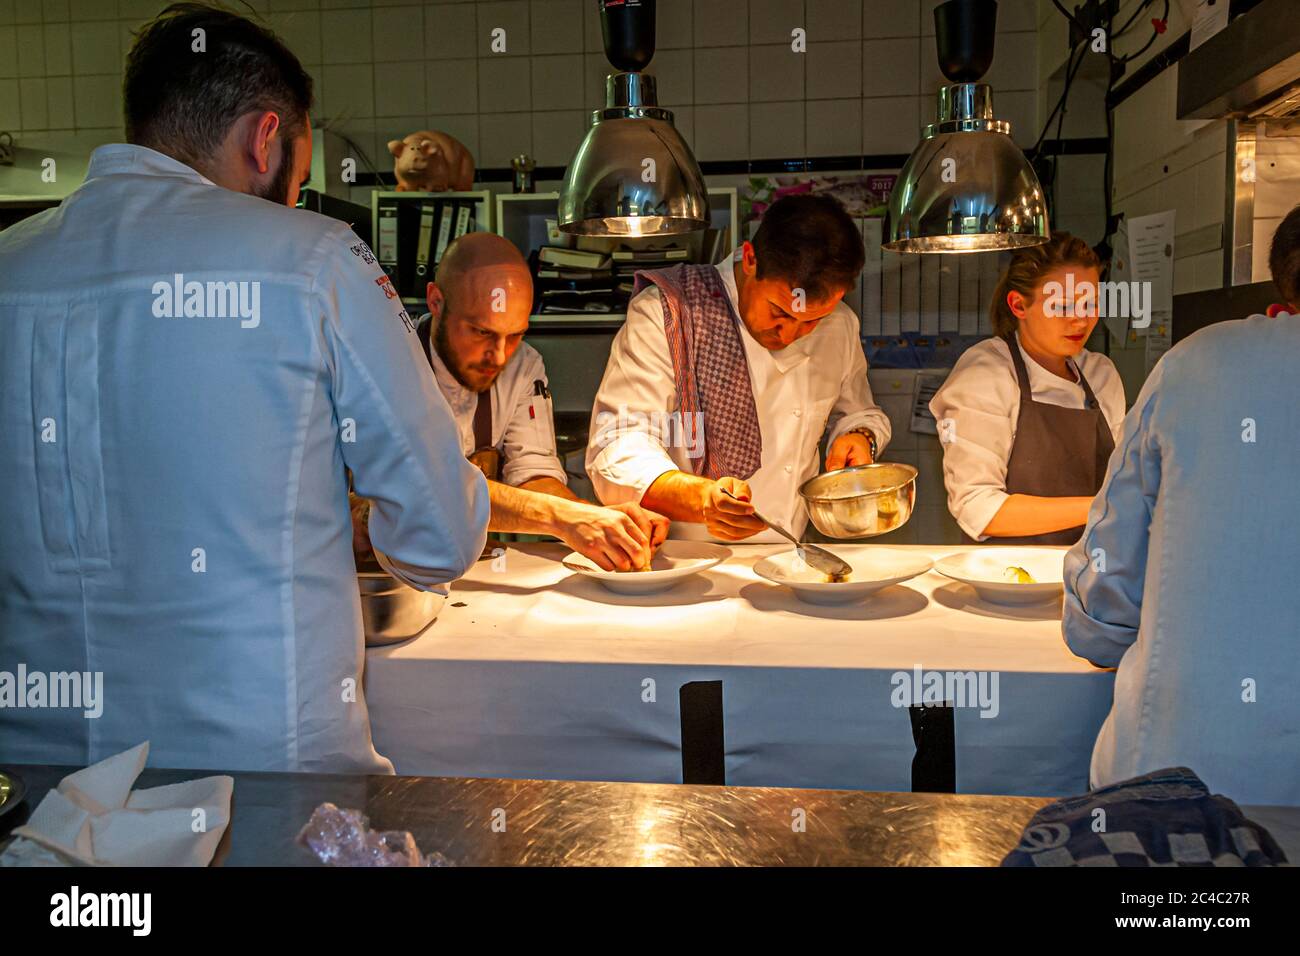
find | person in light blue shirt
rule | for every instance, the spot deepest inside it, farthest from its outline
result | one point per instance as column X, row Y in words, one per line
column 1186, row 576
column 190, row 368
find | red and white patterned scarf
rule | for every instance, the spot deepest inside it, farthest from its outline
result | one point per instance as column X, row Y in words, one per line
column 709, row 369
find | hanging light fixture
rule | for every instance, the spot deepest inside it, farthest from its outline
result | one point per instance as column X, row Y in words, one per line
column 967, row 187
column 633, row 174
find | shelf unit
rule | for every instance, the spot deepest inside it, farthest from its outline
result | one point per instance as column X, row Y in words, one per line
column 482, row 222
column 522, row 218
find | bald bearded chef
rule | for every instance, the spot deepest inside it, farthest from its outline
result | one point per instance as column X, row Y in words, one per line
column 723, row 380
column 494, row 382
column 495, row 385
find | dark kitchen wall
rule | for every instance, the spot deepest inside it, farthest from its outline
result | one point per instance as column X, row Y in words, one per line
column 383, row 69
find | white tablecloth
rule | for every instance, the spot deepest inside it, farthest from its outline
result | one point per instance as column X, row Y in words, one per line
column 531, row 671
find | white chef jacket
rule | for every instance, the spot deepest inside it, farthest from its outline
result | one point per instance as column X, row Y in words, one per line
column 1194, row 597
column 176, row 503
column 817, row 383
column 978, row 407
column 523, row 427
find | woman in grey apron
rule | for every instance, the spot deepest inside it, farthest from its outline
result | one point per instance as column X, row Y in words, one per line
column 1058, row 452
column 1022, row 459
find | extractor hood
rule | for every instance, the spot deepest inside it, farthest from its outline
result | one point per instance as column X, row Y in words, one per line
column 1248, row 70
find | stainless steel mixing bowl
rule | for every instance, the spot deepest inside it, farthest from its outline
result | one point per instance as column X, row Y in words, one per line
column 862, row 501
column 392, row 611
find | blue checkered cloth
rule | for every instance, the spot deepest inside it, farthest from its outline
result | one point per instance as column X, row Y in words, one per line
column 1164, row 818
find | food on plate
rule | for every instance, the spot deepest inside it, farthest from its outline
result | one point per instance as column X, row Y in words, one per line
column 673, row 563
column 643, row 567
column 839, row 578
column 1018, row 575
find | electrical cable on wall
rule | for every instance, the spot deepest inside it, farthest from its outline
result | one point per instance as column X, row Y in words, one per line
column 1071, row 69
column 1113, row 61
column 1156, row 32
column 1062, row 104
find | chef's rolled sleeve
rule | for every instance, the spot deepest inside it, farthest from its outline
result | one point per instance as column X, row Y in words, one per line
column 1105, row 572
column 975, row 411
column 626, row 450
column 629, row 465
column 429, row 506
column 528, row 445
column 856, row 407
column 975, row 475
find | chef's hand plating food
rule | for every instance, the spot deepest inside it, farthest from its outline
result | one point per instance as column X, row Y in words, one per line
column 619, row 538
column 726, row 505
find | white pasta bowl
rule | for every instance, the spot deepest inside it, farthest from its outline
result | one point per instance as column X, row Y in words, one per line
column 985, row 570
column 673, row 563
column 874, row 569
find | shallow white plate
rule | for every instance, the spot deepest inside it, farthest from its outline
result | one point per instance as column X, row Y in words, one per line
column 983, row 569
column 674, row 562
column 874, row 568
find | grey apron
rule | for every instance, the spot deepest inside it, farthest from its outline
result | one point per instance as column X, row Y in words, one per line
column 1058, row 452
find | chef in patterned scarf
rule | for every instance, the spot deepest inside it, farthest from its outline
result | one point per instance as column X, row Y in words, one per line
column 724, row 379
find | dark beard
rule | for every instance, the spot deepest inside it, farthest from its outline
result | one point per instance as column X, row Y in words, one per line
column 442, row 345
column 277, row 190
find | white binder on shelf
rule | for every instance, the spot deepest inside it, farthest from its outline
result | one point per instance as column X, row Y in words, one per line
column 872, row 315
column 990, row 273
column 949, row 294
column 969, row 308
column 891, row 266
column 910, row 292
column 929, row 305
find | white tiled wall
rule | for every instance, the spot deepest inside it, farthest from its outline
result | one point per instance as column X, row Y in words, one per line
column 1165, row 163
column 386, row 67
column 1161, row 162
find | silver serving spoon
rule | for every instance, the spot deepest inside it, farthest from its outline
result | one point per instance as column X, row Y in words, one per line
column 817, row 558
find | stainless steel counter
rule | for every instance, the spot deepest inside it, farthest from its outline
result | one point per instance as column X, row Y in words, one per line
column 551, row 823
column 561, row 823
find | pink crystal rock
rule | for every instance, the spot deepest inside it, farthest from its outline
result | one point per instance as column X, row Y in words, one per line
column 344, row 838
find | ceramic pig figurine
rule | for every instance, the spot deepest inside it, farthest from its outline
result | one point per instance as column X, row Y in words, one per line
column 429, row 161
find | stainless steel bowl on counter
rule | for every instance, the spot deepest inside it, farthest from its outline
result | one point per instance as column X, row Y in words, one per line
column 392, row 611
column 862, row 501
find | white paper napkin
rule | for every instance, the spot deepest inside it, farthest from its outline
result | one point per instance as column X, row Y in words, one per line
column 93, row 818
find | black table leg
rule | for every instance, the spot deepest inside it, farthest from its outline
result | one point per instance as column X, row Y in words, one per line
column 934, row 768
column 703, row 747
